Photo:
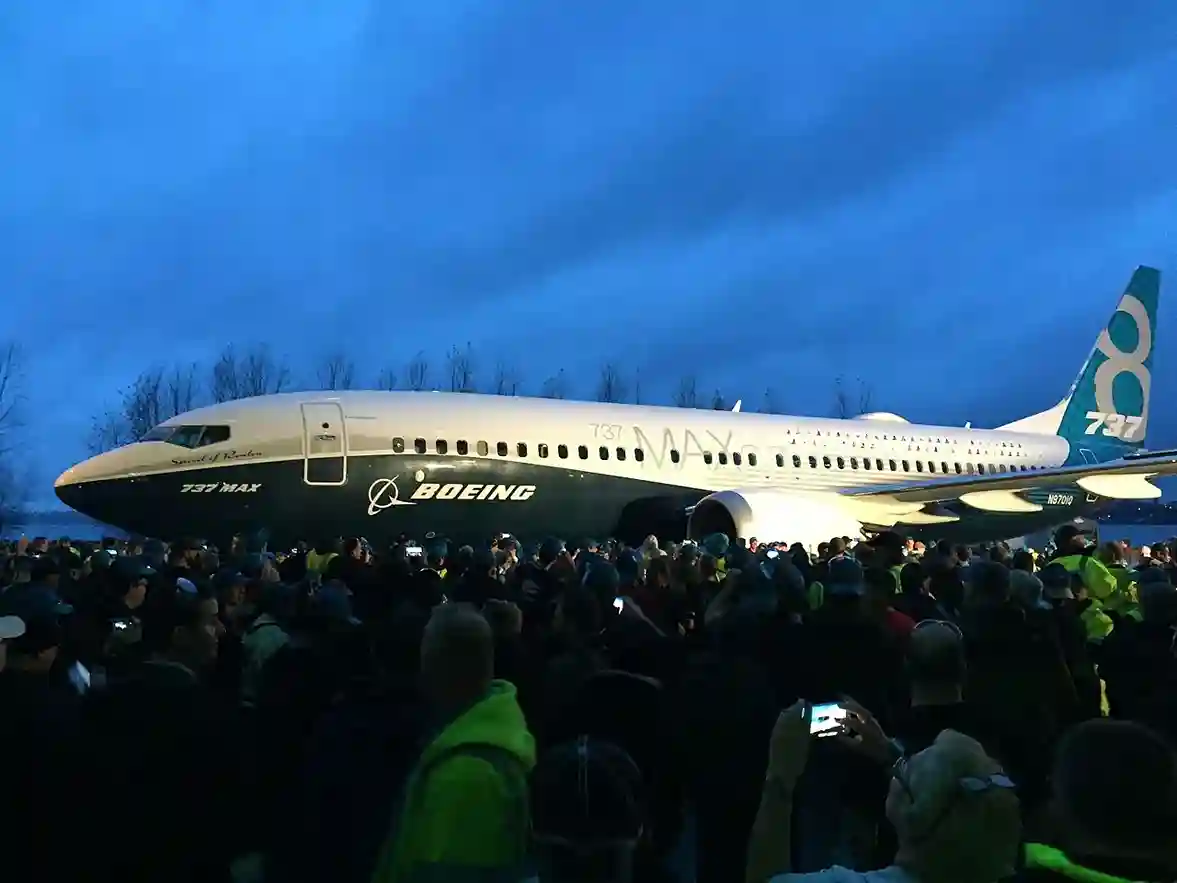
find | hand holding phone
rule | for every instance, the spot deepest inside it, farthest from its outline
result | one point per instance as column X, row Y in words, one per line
column 619, row 604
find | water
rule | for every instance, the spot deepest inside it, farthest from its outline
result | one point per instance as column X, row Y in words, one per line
column 62, row 524
column 78, row 527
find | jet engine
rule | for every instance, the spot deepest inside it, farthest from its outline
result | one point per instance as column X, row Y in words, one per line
column 775, row 516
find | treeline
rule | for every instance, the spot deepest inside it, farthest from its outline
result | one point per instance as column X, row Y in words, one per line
column 162, row 392
column 14, row 487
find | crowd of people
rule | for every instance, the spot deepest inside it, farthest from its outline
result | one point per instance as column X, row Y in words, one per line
column 588, row 712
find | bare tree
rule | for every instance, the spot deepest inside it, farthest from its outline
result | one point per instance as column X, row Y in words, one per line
column 637, row 386
column 506, row 380
column 555, row 387
column 460, row 362
column 337, row 371
column 14, row 499
column 11, row 375
column 771, row 404
column 386, row 379
column 239, row 376
column 718, row 402
column 846, row 404
column 181, row 390
column 417, row 372
column 611, row 386
column 262, row 374
column 865, row 397
column 687, row 394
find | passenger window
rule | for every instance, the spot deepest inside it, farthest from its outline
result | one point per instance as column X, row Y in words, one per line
column 751, row 459
column 892, row 464
column 944, row 468
column 980, row 468
column 780, row 461
column 722, row 458
column 521, row 449
column 736, row 459
column 796, row 461
column 501, row 449
column 813, row 462
column 956, row 466
column 542, row 450
column 931, row 466
column 582, row 452
column 603, row 452
column 419, row 445
column 463, row 447
column 906, row 465
column 674, row 457
column 621, row 453
column 562, row 451
column 879, row 465
column 639, row 454
column 825, row 461
column 483, row 449
column 841, row 463
column 214, row 435
column 970, row 468
column 919, row 467
column 853, row 462
column 441, row 446
column 398, row 445
column 707, row 458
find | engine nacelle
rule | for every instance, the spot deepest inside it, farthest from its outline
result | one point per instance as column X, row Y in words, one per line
column 774, row 516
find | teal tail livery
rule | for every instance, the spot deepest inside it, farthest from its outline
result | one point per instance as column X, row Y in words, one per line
column 1105, row 415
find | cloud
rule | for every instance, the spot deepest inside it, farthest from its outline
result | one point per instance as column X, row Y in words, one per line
column 768, row 197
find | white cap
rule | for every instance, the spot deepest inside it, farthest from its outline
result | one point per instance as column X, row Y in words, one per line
column 11, row 627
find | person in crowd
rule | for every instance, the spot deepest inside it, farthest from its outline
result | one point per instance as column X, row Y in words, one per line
column 1114, row 808
column 465, row 807
column 954, row 811
column 588, row 813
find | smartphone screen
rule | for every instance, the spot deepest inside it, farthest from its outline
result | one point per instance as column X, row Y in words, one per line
column 827, row 719
column 618, row 604
column 415, row 551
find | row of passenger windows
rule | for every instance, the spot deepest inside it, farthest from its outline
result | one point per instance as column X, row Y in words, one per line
column 604, row 452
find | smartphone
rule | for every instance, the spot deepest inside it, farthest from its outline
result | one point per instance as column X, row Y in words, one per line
column 771, row 554
column 121, row 624
column 79, row 676
column 618, row 604
column 827, row 719
column 415, row 551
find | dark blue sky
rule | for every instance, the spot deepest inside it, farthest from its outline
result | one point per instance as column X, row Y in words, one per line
column 944, row 199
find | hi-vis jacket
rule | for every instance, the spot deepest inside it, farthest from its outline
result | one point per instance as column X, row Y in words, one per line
column 1102, row 589
column 464, row 817
column 1054, row 862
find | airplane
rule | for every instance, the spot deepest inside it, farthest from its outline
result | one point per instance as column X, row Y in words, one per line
column 316, row 465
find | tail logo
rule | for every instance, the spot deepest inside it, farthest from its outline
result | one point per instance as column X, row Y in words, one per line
column 1114, row 422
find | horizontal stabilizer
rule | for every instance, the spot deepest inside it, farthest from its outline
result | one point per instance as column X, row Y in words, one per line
column 1120, row 487
column 998, row 501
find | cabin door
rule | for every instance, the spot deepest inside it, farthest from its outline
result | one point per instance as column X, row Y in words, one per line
column 324, row 444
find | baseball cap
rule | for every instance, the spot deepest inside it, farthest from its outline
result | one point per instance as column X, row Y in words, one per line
column 845, row 577
column 1056, row 581
column 587, row 793
column 32, row 602
column 1068, row 532
column 131, row 569
column 11, row 627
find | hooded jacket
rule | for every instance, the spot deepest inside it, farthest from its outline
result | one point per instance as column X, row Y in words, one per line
column 464, row 816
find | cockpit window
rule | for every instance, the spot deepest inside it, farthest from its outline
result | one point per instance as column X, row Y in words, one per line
column 160, row 433
column 214, row 435
column 189, row 436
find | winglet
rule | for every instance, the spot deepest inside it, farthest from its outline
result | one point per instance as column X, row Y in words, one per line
column 736, row 409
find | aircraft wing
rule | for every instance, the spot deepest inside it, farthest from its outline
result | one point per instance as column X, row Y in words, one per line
column 1123, row 479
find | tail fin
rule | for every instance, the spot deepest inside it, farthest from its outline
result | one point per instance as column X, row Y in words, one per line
column 1105, row 415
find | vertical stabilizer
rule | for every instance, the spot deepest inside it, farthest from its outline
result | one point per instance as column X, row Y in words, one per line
column 1106, row 411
